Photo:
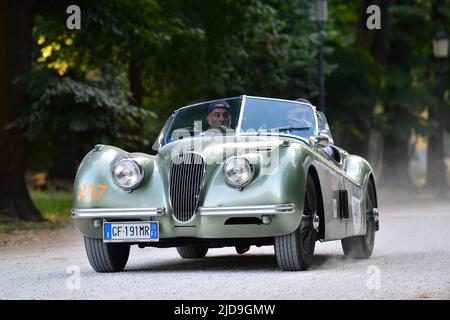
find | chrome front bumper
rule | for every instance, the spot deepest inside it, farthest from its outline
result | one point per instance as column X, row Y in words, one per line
column 247, row 210
column 240, row 211
column 117, row 213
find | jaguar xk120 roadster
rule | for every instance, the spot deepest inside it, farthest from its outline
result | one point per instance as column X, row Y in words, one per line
column 241, row 172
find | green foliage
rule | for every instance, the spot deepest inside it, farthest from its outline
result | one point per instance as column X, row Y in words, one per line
column 350, row 92
column 265, row 48
column 407, row 89
column 65, row 110
column 79, row 85
column 193, row 50
column 402, row 86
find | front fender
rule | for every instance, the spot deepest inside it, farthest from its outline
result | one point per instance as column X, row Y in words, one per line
column 95, row 174
column 96, row 169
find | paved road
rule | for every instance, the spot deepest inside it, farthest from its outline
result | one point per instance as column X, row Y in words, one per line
column 411, row 260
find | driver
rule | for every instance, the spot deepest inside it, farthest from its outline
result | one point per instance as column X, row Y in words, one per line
column 219, row 116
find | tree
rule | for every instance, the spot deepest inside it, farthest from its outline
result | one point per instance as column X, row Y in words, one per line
column 404, row 94
column 16, row 22
column 250, row 47
column 85, row 84
column 356, row 48
column 436, row 168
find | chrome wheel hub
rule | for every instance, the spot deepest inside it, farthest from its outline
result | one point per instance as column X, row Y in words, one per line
column 315, row 221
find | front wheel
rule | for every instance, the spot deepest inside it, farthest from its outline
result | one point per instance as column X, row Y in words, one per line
column 295, row 251
column 361, row 247
column 106, row 257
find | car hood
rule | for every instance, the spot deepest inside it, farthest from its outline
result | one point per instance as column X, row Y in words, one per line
column 222, row 147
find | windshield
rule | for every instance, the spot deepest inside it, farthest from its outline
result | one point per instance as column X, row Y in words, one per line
column 267, row 115
column 217, row 117
column 220, row 117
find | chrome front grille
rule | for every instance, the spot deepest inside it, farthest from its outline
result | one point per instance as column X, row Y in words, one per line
column 186, row 177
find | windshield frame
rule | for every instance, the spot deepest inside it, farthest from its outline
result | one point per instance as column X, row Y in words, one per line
column 240, row 117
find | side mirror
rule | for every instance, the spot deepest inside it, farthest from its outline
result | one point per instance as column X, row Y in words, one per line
column 156, row 146
column 160, row 140
column 321, row 140
column 158, row 143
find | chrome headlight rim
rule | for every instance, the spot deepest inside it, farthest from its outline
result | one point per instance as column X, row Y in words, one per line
column 240, row 185
column 137, row 183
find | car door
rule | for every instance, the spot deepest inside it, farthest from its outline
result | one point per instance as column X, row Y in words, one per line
column 349, row 196
column 333, row 185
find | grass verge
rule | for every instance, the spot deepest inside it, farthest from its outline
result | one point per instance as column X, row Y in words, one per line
column 54, row 207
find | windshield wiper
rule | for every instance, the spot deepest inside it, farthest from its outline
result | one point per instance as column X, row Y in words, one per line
column 289, row 128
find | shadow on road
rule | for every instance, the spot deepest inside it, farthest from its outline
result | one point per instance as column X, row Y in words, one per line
column 233, row 263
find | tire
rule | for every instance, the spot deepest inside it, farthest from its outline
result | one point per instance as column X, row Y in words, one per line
column 106, row 257
column 295, row 251
column 242, row 249
column 361, row 247
column 192, row 252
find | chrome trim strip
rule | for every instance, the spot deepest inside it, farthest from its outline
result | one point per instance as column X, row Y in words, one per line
column 209, row 101
column 117, row 213
column 283, row 100
column 241, row 114
column 248, row 210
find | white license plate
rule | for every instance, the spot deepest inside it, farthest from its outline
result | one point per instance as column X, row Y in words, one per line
column 130, row 231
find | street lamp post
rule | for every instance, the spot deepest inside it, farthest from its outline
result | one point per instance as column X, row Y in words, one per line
column 321, row 16
column 436, row 169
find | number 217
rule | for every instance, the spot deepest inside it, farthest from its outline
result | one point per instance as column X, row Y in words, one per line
column 86, row 190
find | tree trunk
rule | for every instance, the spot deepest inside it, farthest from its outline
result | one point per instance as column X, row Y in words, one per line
column 66, row 162
column 355, row 144
column 136, row 88
column 396, row 155
column 137, row 92
column 396, row 162
column 16, row 22
column 436, row 168
column 377, row 43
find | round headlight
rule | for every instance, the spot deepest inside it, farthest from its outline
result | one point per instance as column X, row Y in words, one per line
column 238, row 172
column 127, row 174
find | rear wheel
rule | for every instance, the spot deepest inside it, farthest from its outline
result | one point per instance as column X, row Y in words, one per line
column 106, row 257
column 295, row 251
column 192, row 252
column 361, row 247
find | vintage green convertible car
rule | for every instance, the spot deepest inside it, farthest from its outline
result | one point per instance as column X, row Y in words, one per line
column 236, row 172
